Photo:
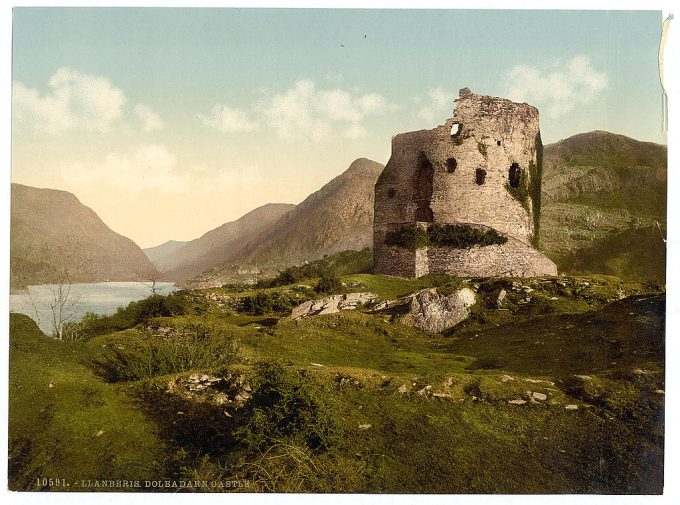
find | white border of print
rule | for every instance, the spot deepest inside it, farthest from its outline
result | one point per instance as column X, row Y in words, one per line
column 672, row 469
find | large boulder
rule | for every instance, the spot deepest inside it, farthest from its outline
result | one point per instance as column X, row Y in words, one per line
column 332, row 304
column 433, row 312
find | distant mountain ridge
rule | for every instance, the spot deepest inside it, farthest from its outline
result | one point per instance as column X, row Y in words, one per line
column 157, row 253
column 604, row 205
column 607, row 170
column 221, row 244
column 54, row 235
column 337, row 217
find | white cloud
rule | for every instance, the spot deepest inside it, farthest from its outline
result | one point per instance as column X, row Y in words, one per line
column 438, row 105
column 228, row 120
column 150, row 120
column 303, row 112
column 143, row 167
column 74, row 101
column 558, row 92
column 153, row 169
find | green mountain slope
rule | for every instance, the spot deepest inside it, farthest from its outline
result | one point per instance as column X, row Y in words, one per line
column 604, row 205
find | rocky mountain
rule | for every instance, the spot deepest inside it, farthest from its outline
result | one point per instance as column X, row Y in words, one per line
column 157, row 253
column 337, row 217
column 227, row 242
column 54, row 236
column 604, row 205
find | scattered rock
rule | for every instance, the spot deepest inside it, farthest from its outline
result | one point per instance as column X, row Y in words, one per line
column 316, row 364
column 539, row 396
column 364, row 426
column 50, row 385
column 506, row 378
column 501, row 297
column 571, row 406
column 346, row 380
column 425, row 390
column 432, row 312
column 517, row 402
column 442, row 395
column 231, row 389
column 659, row 391
column 403, row 389
column 100, row 433
column 333, row 304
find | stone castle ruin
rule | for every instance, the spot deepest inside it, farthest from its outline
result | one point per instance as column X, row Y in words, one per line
column 463, row 198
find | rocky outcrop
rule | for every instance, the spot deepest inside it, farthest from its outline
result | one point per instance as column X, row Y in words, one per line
column 333, row 304
column 427, row 310
column 433, row 312
column 230, row 390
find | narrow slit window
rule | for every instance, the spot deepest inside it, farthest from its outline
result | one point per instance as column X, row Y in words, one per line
column 451, row 165
column 391, row 193
column 480, row 176
column 514, row 175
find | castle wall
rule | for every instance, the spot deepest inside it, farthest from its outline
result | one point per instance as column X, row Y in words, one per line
column 512, row 259
column 491, row 134
column 393, row 260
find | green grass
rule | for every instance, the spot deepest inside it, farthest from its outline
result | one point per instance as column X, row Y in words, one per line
column 402, row 410
column 64, row 422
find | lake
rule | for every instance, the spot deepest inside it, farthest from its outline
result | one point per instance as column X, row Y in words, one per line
column 99, row 297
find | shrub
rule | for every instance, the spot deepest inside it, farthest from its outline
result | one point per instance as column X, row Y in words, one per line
column 342, row 263
column 155, row 356
column 486, row 363
column 285, row 407
column 276, row 302
column 408, row 237
column 457, row 236
column 174, row 304
column 463, row 236
column 521, row 191
column 328, row 284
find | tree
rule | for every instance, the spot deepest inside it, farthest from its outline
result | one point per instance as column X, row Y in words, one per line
column 63, row 306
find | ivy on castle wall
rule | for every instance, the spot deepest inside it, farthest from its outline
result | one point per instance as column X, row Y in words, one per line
column 456, row 236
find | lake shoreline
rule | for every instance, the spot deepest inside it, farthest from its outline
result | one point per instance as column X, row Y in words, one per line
column 102, row 298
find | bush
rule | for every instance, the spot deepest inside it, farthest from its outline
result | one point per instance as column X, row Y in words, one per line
column 285, row 407
column 196, row 348
column 342, row 263
column 277, row 302
column 457, row 236
column 411, row 238
column 463, row 236
column 329, row 284
column 174, row 304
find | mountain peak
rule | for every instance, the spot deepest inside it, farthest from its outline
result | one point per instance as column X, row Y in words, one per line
column 53, row 232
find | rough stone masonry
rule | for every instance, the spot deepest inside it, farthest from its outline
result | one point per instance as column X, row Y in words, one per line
column 480, row 170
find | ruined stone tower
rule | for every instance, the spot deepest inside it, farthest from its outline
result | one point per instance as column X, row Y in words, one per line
column 463, row 198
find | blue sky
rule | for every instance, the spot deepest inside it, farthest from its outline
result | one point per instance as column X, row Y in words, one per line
column 169, row 122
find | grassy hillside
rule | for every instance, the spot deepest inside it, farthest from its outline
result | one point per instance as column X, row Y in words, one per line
column 604, row 206
column 209, row 388
column 65, row 422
